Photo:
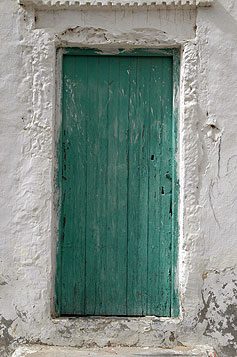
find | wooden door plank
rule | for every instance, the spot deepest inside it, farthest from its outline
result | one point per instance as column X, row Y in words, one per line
column 160, row 227
column 155, row 189
column 116, row 257
column 73, row 200
column 99, row 115
column 138, row 187
column 96, row 160
column 166, row 183
column 80, row 162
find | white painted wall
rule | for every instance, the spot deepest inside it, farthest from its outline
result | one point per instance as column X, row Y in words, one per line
column 207, row 169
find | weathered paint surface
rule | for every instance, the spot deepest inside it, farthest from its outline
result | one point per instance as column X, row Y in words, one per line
column 116, row 151
column 207, row 173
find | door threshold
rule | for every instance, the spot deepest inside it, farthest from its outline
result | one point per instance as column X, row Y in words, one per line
column 53, row 351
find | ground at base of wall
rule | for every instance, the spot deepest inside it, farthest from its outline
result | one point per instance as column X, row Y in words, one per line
column 53, row 351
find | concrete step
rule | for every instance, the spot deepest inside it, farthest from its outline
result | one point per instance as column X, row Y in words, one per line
column 54, row 351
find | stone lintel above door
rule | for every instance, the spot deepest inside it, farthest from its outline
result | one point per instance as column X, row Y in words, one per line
column 162, row 4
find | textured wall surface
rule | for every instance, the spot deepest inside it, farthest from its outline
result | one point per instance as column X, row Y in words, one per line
column 106, row 3
column 207, row 171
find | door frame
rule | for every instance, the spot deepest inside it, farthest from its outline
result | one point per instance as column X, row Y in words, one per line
column 170, row 52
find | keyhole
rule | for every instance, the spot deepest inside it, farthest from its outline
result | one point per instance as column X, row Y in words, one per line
column 152, row 157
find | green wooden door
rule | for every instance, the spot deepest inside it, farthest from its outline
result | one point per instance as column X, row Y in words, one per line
column 116, row 168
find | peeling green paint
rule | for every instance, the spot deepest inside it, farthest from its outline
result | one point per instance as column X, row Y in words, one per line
column 171, row 291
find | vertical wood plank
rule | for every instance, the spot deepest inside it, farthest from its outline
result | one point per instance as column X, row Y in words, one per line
column 155, row 190
column 116, row 257
column 138, row 187
column 100, row 116
column 160, row 188
column 96, row 158
column 74, row 200
column 166, row 183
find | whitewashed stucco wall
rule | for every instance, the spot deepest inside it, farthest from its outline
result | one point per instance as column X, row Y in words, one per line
column 207, row 171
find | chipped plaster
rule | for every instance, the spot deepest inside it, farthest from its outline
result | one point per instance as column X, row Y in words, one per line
column 207, row 170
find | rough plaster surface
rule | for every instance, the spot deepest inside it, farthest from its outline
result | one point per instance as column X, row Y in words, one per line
column 115, row 3
column 207, row 170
